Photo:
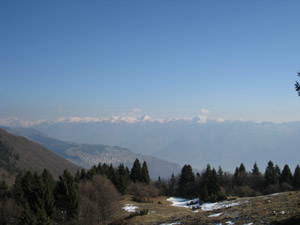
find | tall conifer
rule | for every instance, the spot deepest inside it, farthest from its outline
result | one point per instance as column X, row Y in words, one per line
column 145, row 178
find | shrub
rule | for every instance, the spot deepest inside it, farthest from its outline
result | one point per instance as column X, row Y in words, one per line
column 142, row 192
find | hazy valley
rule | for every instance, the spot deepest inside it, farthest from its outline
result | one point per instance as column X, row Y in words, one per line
column 195, row 142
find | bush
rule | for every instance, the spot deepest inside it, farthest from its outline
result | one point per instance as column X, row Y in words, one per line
column 244, row 191
column 142, row 192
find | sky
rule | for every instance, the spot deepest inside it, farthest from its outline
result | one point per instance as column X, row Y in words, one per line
column 165, row 58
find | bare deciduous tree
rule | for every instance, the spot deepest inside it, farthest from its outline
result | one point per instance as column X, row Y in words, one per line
column 99, row 201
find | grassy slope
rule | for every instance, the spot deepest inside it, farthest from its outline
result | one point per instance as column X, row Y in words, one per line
column 277, row 209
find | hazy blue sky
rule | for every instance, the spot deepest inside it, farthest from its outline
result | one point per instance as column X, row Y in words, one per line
column 237, row 59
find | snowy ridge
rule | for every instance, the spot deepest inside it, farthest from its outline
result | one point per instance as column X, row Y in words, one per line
column 18, row 122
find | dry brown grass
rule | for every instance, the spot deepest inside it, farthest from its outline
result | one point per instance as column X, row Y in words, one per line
column 258, row 210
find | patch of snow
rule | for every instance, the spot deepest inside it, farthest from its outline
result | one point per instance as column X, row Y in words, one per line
column 218, row 205
column 230, row 223
column 248, row 224
column 274, row 194
column 215, row 215
column 130, row 208
column 194, row 203
column 171, row 223
column 282, row 212
column 183, row 202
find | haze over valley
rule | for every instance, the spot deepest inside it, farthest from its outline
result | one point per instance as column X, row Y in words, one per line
column 195, row 141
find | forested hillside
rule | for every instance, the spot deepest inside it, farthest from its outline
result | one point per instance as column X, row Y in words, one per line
column 20, row 154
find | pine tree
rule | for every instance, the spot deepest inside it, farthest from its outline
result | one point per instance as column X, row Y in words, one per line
column 27, row 216
column 240, row 177
column 255, row 170
column 221, row 176
column 186, row 181
column 83, row 174
column 66, row 195
column 214, row 186
column 172, row 185
column 111, row 174
column 100, row 169
column 122, row 178
column 277, row 172
column 209, row 186
column 270, row 174
column 242, row 168
column 34, row 194
column 91, row 172
column 296, row 178
column 136, row 171
column 145, row 178
column 48, row 186
column 286, row 175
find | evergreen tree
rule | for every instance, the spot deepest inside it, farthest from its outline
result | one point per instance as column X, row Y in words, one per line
column 286, row 175
column 296, row 178
column 214, row 186
column 186, row 181
column 270, row 174
column 145, row 178
column 172, row 186
column 100, row 169
column 236, row 172
column 83, row 174
column 122, row 179
column 66, row 196
column 240, row 176
column 255, row 170
column 27, row 216
column 209, row 186
column 220, row 172
column 136, row 171
column 48, row 186
column 91, row 172
column 242, row 168
column 277, row 172
column 35, row 196
column 221, row 176
column 104, row 168
column 111, row 174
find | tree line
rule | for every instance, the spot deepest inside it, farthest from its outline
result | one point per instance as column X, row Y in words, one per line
column 214, row 185
column 93, row 196
column 90, row 197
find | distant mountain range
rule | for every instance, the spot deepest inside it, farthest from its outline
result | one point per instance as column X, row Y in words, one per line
column 185, row 141
column 19, row 153
column 86, row 155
